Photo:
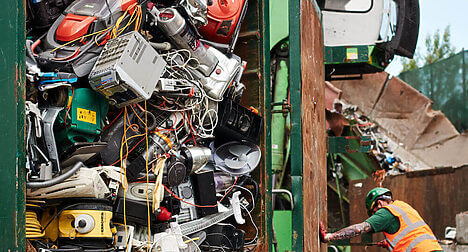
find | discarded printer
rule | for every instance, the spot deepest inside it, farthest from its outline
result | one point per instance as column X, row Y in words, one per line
column 136, row 140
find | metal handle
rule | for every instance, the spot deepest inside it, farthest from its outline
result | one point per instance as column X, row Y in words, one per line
column 285, row 192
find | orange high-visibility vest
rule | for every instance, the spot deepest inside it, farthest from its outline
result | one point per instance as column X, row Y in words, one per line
column 414, row 234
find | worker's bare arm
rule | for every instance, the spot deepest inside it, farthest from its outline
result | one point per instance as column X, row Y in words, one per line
column 349, row 232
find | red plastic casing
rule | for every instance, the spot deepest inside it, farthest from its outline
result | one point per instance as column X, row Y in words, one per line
column 73, row 26
column 164, row 215
column 223, row 17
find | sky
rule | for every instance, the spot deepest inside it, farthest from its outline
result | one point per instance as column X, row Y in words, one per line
column 437, row 14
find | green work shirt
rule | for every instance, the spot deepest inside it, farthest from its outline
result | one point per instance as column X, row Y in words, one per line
column 384, row 221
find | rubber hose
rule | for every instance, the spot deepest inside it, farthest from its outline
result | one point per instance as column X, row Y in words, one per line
column 29, row 50
column 57, row 179
column 165, row 46
column 151, row 120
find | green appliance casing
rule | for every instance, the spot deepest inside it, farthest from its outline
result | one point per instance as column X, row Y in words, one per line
column 84, row 118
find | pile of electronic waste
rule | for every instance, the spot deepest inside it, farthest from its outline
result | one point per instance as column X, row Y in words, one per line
column 136, row 140
column 382, row 146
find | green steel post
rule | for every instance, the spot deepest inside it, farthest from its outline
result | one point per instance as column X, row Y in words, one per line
column 267, row 99
column 279, row 119
column 338, row 189
column 12, row 92
column 296, row 123
column 357, row 167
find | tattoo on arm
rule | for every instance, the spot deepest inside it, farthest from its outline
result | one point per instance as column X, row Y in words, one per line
column 350, row 231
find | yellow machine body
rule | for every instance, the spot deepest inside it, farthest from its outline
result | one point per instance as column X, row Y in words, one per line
column 51, row 231
column 102, row 227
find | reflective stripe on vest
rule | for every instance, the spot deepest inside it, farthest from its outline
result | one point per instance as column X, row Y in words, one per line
column 409, row 229
column 410, row 225
column 418, row 240
column 402, row 212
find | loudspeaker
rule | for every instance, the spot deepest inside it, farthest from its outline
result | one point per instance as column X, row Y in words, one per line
column 236, row 122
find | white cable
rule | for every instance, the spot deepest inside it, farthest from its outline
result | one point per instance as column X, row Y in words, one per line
column 204, row 112
column 213, row 119
column 247, row 190
column 171, row 59
column 255, row 226
column 203, row 119
column 191, row 105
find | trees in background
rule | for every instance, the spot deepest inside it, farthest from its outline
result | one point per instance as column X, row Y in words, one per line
column 438, row 46
column 441, row 75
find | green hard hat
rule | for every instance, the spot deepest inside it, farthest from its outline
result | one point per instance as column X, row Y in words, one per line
column 373, row 195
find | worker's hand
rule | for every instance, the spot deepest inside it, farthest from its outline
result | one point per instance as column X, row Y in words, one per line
column 322, row 233
column 383, row 244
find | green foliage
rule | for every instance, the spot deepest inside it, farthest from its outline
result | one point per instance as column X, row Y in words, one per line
column 409, row 64
column 438, row 47
column 446, row 83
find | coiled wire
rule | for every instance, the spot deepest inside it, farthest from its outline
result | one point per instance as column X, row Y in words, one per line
column 33, row 226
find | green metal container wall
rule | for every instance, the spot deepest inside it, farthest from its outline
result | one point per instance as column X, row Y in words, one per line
column 296, row 127
column 12, row 92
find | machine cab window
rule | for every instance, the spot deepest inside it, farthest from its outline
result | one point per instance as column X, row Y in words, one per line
column 347, row 5
column 367, row 34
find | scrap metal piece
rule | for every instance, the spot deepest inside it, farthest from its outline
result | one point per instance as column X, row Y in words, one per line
column 49, row 115
column 197, row 10
column 85, row 183
column 127, row 70
column 33, row 109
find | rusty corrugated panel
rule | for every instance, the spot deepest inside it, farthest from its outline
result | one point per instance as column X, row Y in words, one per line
column 313, row 126
column 253, row 46
column 357, row 192
column 452, row 152
column 408, row 116
column 363, row 93
column 437, row 195
column 331, row 93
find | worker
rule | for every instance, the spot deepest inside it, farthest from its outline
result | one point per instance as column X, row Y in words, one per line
column 403, row 227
